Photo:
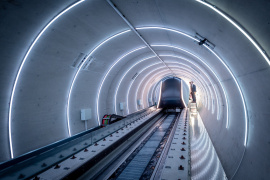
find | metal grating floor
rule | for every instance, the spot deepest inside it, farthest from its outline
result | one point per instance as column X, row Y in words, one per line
column 136, row 167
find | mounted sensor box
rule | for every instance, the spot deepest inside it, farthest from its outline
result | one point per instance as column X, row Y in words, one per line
column 86, row 114
column 139, row 102
column 121, row 105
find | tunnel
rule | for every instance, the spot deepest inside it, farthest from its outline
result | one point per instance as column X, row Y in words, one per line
column 172, row 94
column 61, row 60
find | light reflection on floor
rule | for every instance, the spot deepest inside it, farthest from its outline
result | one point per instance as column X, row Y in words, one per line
column 205, row 163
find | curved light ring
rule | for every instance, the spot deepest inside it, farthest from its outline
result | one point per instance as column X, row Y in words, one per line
column 134, row 81
column 256, row 45
column 182, row 93
column 145, row 84
column 241, row 93
column 209, row 89
column 128, row 90
column 174, row 71
column 200, row 70
column 155, row 86
column 181, row 33
column 225, row 94
column 20, row 69
column 202, row 82
column 218, row 104
column 212, row 84
column 236, row 82
column 203, row 88
column 151, row 91
column 136, row 94
column 199, row 82
column 79, row 69
column 104, row 78
column 139, row 73
column 159, row 94
column 162, row 78
column 115, row 96
column 167, row 29
column 197, row 67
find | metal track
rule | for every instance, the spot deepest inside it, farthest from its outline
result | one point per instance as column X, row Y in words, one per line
column 105, row 167
column 141, row 163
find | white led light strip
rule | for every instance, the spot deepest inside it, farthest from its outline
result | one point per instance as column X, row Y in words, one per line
column 20, row 69
column 239, row 28
column 180, row 63
column 115, row 95
column 159, row 95
column 208, row 87
column 115, row 105
column 104, row 78
column 243, row 101
column 79, row 69
column 172, row 30
column 225, row 94
column 134, row 81
column 218, row 114
column 218, row 104
column 153, row 89
column 177, row 68
column 182, row 93
column 146, row 83
column 240, row 91
column 190, row 75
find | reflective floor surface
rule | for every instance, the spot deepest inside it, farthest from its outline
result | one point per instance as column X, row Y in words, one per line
column 205, row 163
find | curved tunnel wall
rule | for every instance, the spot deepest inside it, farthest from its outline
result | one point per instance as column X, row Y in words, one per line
column 39, row 109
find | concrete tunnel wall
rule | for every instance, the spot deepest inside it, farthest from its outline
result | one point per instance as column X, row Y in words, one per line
column 39, row 108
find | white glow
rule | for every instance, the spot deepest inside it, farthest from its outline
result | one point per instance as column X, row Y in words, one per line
column 82, row 64
column 209, row 89
column 21, row 66
column 225, row 94
column 147, row 82
column 136, row 94
column 152, row 92
column 156, row 84
column 134, row 81
column 115, row 95
column 167, row 29
column 163, row 79
column 144, row 88
column 159, row 94
column 212, row 84
column 181, row 75
column 239, row 28
column 253, row 42
column 182, row 94
column 184, row 78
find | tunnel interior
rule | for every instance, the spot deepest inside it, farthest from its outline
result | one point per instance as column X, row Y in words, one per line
column 59, row 59
column 171, row 94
